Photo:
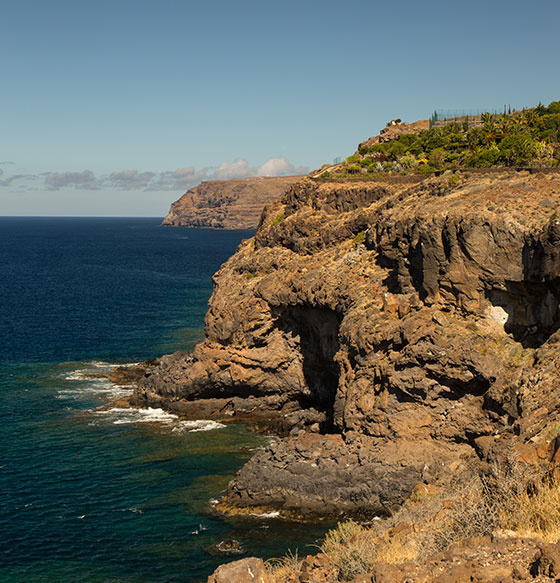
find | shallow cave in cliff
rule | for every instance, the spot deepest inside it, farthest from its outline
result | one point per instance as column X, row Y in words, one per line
column 529, row 311
column 316, row 332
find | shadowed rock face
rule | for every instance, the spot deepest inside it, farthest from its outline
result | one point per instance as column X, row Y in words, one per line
column 398, row 332
column 227, row 204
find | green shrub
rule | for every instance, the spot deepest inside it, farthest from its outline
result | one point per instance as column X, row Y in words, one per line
column 408, row 161
column 354, row 169
column 518, row 149
column 437, row 157
column 277, row 219
column 511, row 140
column 360, row 237
column 554, row 107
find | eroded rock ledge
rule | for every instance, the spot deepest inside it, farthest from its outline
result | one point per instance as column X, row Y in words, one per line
column 397, row 332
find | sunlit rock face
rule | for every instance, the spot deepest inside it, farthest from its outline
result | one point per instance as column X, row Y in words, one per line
column 396, row 331
column 227, row 204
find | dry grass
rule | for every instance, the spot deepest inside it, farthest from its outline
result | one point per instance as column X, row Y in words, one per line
column 534, row 508
column 281, row 569
column 519, row 498
column 355, row 549
column 516, row 498
column 396, row 549
column 350, row 548
column 341, row 535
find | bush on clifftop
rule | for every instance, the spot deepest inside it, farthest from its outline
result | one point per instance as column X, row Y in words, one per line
column 523, row 138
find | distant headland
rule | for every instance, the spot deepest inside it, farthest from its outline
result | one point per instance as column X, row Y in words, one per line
column 227, row 204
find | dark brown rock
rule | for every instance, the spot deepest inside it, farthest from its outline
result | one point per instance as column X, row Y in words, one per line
column 250, row 570
column 547, row 561
column 386, row 574
column 324, row 476
column 226, row 547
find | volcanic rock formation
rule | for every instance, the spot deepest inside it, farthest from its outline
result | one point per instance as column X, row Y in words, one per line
column 496, row 559
column 396, row 331
column 227, row 204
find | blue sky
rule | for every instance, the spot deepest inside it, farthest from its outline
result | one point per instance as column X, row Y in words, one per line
column 116, row 108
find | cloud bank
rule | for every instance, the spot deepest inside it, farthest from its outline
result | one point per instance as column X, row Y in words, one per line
column 175, row 180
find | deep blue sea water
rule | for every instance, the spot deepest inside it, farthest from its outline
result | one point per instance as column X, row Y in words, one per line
column 90, row 495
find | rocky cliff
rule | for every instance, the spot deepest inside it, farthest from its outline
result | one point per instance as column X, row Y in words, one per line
column 397, row 332
column 227, row 204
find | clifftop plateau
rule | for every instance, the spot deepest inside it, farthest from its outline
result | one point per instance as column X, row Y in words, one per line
column 227, row 204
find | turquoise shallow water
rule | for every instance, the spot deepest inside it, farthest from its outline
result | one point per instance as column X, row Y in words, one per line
column 113, row 496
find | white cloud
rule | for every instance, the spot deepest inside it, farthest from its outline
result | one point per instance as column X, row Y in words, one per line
column 276, row 167
column 129, row 180
column 237, row 169
column 180, row 179
column 19, row 180
column 177, row 180
column 80, row 180
column 240, row 169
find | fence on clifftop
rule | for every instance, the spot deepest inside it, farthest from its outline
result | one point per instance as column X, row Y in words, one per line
column 472, row 117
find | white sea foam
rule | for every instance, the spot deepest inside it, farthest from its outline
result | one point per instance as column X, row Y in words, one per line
column 123, row 415
column 198, row 425
column 274, row 514
column 125, row 365
column 77, row 375
column 96, row 387
column 95, row 366
column 86, row 385
column 109, row 365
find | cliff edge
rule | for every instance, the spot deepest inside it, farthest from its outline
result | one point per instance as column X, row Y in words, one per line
column 227, row 204
column 398, row 331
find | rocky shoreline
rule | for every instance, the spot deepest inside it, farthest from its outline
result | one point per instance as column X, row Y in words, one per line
column 408, row 330
column 395, row 334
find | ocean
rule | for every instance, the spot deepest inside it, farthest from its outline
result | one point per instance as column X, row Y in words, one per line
column 90, row 494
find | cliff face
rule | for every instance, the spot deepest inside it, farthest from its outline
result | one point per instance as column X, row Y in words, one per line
column 227, row 204
column 398, row 332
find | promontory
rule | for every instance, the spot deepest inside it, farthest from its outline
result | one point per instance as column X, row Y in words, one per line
column 227, row 204
column 396, row 320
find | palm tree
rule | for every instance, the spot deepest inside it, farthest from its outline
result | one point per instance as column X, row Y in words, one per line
column 489, row 126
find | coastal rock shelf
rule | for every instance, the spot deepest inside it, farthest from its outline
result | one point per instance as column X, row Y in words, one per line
column 394, row 331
